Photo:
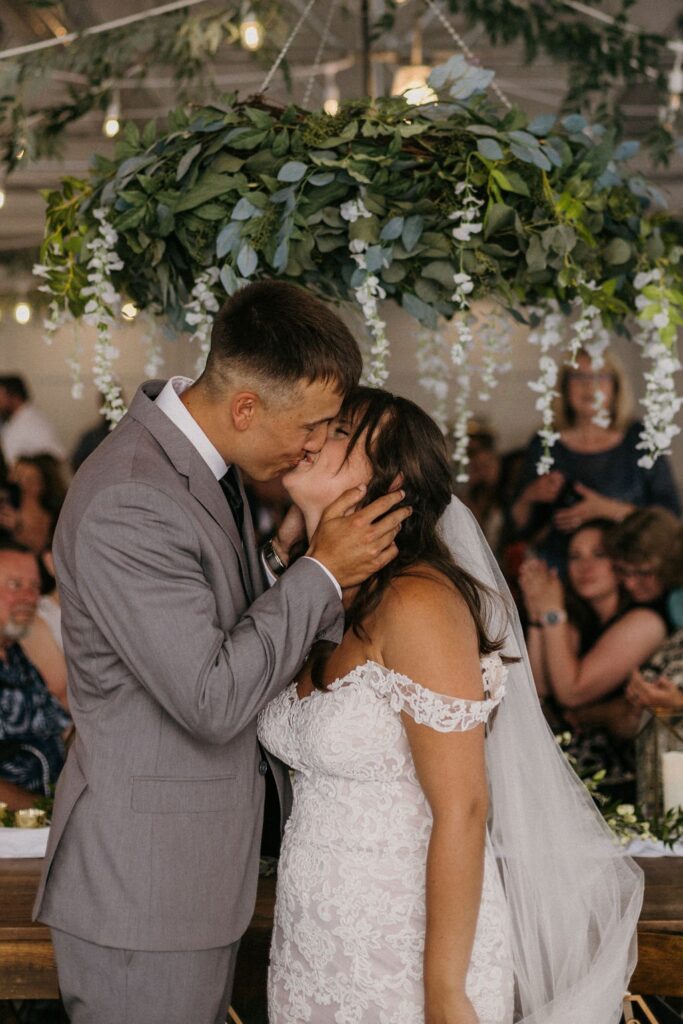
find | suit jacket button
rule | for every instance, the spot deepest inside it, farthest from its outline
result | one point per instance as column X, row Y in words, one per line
column 263, row 767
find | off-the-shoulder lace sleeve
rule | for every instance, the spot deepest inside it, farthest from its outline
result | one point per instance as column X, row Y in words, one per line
column 440, row 711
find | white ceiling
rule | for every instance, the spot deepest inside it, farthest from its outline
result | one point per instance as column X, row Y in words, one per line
column 539, row 87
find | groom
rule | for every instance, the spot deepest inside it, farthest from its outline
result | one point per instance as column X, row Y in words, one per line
column 174, row 644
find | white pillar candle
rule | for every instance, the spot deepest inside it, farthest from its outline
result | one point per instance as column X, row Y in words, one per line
column 672, row 777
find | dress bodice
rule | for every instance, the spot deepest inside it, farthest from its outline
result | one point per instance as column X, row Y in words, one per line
column 350, row 912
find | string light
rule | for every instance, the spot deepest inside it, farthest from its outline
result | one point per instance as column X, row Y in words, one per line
column 3, row 194
column 129, row 311
column 331, row 101
column 251, row 32
column 22, row 313
column 112, row 124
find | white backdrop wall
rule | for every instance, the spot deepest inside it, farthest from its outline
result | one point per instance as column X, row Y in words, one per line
column 511, row 412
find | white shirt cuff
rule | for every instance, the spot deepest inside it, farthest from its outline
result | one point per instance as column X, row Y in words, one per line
column 272, row 578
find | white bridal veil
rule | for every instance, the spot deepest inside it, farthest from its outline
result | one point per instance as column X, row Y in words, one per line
column 574, row 897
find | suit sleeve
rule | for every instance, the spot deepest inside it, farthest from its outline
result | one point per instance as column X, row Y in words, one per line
column 138, row 570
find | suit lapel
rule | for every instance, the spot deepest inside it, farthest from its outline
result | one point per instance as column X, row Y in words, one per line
column 206, row 489
column 201, row 481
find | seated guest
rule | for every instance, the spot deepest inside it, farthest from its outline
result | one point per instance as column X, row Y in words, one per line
column 584, row 642
column 42, row 643
column 647, row 551
column 32, row 722
column 596, row 472
column 43, row 489
column 25, row 429
column 660, row 684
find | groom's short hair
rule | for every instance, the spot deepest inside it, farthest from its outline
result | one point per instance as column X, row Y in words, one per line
column 280, row 334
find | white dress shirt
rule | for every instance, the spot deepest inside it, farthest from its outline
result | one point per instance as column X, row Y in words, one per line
column 29, row 432
column 169, row 402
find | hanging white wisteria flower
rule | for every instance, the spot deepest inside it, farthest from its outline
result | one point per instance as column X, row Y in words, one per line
column 57, row 315
column 368, row 292
column 495, row 333
column 151, row 339
column 467, row 216
column 100, row 309
column 199, row 313
column 547, row 336
column 657, row 320
column 461, row 353
column 75, row 363
column 434, row 369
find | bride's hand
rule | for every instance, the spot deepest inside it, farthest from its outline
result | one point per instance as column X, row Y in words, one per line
column 456, row 1009
column 290, row 530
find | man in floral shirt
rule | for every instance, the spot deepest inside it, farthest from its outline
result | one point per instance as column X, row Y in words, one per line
column 32, row 722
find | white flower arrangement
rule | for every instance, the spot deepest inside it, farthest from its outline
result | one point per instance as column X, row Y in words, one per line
column 199, row 314
column 100, row 312
column 434, row 372
column 547, row 336
column 368, row 294
column 152, row 341
column 657, row 322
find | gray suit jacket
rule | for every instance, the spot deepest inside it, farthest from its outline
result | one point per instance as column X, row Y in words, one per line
column 173, row 647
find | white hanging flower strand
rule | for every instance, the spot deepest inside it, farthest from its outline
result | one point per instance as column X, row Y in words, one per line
column 547, row 336
column 589, row 335
column 368, row 294
column 434, row 369
column 495, row 332
column 152, row 342
column 657, row 339
column 56, row 315
column 75, row 363
column 100, row 310
column 200, row 314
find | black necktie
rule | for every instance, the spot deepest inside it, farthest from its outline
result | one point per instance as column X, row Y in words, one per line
column 231, row 489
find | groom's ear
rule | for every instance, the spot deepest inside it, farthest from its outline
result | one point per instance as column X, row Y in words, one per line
column 244, row 405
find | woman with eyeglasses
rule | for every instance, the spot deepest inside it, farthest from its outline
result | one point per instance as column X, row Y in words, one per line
column 596, row 473
column 647, row 551
column 585, row 639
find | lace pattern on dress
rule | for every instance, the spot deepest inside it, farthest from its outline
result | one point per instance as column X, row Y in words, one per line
column 439, row 711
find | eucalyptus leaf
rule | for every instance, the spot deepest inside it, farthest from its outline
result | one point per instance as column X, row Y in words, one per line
column 618, row 251
column 490, row 149
column 412, row 229
column 228, row 239
column 293, row 170
column 244, row 210
column 392, row 229
column 185, row 161
column 228, row 279
column 535, row 255
column 247, row 260
column 323, row 178
column 419, row 309
column 543, row 124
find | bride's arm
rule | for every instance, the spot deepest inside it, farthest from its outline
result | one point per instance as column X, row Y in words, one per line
column 428, row 635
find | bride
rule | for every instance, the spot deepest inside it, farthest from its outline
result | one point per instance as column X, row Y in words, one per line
column 442, row 865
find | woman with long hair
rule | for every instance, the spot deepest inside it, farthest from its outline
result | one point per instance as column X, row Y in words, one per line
column 585, row 638
column 43, row 489
column 416, row 883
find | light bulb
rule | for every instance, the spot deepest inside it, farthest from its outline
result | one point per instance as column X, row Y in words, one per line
column 22, row 312
column 3, row 197
column 129, row 311
column 111, row 127
column 251, row 32
column 331, row 103
column 112, row 123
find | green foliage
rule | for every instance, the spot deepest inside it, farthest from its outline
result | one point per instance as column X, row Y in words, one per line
column 256, row 190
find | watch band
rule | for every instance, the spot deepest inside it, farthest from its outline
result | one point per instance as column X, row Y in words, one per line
column 272, row 559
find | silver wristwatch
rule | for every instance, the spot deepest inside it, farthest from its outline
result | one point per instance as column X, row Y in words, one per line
column 272, row 559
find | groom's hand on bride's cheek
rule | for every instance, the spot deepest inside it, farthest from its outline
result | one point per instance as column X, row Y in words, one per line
column 354, row 543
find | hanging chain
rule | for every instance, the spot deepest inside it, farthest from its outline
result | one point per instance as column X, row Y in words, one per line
column 458, row 39
column 319, row 55
column 290, row 39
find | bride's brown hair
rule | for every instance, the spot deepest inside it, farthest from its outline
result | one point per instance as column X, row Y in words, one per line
column 403, row 443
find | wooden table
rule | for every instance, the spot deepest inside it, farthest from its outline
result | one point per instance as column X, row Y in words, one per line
column 27, row 969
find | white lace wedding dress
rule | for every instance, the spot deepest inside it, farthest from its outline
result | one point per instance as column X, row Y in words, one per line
column 349, row 924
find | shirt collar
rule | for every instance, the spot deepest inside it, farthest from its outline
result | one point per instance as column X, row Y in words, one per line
column 169, row 402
